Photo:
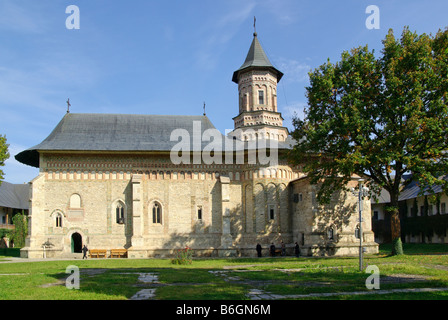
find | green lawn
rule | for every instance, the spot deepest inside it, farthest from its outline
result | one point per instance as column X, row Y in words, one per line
column 117, row 279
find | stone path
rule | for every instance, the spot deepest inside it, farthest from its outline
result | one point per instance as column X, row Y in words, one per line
column 256, row 294
column 146, row 294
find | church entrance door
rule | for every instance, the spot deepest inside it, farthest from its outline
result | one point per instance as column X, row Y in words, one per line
column 76, row 243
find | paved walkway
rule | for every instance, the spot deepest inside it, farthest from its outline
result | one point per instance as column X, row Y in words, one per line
column 146, row 294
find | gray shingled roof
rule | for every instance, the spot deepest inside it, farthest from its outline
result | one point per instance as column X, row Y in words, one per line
column 14, row 196
column 410, row 191
column 413, row 190
column 123, row 132
column 256, row 58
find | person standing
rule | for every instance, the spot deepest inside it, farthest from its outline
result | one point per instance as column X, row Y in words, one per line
column 297, row 250
column 84, row 251
column 258, row 250
column 272, row 250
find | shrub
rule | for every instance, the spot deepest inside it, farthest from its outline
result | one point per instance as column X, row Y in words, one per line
column 183, row 256
column 397, row 247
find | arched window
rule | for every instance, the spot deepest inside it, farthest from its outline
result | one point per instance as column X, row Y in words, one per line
column 75, row 201
column 58, row 220
column 156, row 213
column 119, row 212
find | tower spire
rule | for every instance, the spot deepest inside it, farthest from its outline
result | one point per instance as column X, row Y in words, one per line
column 257, row 79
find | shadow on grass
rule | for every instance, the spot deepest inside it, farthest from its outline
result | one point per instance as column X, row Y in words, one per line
column 171, row 283
column 10, row 252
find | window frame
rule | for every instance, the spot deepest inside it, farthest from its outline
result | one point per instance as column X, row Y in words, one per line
column 261, row 97
column 156, row 213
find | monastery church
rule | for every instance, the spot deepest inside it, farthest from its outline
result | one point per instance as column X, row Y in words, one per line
column 112, row 181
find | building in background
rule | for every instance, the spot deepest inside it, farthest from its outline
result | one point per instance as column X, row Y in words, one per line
column 14, row 198
column 423, row 215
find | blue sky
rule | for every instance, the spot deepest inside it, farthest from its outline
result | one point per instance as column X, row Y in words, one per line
column 168, row 57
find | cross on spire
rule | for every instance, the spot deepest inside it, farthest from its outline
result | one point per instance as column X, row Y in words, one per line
column 204, row 108
column 255, row 29
column 68, row 105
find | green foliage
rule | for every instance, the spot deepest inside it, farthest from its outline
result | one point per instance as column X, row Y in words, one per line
column 183, row 256
column 397, row 247
column 4, row 233
column 20, row 231
column 4, row 155
column 379, row 118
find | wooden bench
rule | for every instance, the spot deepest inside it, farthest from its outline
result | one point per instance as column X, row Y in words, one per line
column 118, row 253
column 278, row 252
column 98, row 253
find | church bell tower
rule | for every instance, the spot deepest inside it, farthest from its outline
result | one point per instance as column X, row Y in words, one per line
column 257, row 80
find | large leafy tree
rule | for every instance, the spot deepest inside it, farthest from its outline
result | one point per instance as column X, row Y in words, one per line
column 4, row 155
column 379, row 118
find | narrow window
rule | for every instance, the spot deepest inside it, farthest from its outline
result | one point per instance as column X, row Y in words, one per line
column 199, row 213
column 261, row 97
column 331, row 234
column 58, row 221
column 156, row 213
column 119, row 210
column 271, row 212
column 375, row 215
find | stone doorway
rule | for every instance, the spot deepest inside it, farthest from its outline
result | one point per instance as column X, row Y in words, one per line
column 76, row 244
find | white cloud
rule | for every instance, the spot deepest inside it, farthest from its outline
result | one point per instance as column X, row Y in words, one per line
column 295, row 71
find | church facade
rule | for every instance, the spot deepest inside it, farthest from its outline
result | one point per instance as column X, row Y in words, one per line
column 153, row 184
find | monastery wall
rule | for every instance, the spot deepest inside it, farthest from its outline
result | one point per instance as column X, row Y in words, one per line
column 329, row 229
column 194, row 209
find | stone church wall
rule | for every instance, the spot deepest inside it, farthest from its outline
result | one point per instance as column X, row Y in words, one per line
column 215, row 211
column 329, row 229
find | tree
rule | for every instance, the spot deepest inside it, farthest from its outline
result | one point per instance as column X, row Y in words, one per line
column 4, row 155
column 20, row 231
column 379, row 118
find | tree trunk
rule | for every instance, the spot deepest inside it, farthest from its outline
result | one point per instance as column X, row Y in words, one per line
column 395, row 226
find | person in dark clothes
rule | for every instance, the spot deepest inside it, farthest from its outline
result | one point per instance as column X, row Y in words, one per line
column 84, row 251
column 297, row 250
column 272, row 250
column 258, row 250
